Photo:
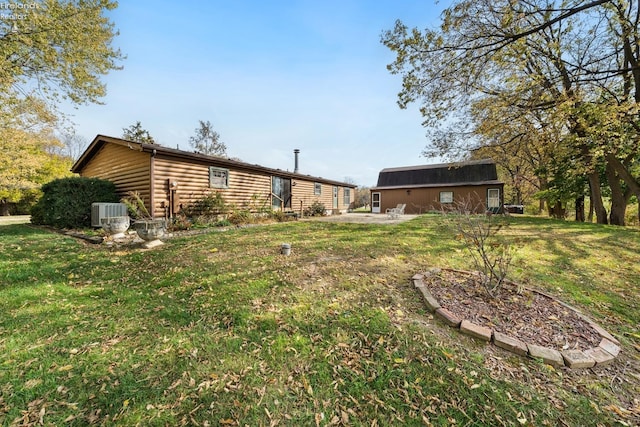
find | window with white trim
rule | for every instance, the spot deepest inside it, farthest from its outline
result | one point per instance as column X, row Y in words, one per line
column 317, row 188
column 218, row 177
column 346, row 196
column 493, row 198
column 446, row 197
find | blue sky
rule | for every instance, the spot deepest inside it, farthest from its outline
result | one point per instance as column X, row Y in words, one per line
column 270, row 76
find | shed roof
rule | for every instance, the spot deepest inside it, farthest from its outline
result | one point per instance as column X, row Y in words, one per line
column 101, row 140
column 475, row 172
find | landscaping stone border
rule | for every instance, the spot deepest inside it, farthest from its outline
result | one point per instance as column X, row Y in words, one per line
column 606, row 352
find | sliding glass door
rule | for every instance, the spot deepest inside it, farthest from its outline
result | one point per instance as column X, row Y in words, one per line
column 280, row 193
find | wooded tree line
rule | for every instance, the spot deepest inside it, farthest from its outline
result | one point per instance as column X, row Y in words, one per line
column 549, row 89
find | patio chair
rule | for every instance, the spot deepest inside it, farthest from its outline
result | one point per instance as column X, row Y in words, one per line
column 394, row 213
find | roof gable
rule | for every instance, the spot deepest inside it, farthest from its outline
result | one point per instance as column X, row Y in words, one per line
column 471, row 172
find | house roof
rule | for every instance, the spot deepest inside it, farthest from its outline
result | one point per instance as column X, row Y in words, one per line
column 475, row 172
column 101, row 140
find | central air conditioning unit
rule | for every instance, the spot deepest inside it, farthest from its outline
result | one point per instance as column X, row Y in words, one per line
column 105, row 210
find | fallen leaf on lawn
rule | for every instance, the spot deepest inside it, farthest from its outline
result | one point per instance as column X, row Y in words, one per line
column 32, row 383
column 175, row 384
column 618, row 410
column 65, row 368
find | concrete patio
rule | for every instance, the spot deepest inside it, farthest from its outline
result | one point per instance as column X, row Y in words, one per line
column 362, row 218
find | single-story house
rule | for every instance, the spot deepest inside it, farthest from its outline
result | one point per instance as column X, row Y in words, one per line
column 168, row 179
column 439, row 186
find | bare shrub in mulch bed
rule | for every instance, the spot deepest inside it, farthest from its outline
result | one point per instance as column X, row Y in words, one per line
column 526, row 314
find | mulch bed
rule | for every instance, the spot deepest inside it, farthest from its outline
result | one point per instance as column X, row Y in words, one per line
column 525, row 314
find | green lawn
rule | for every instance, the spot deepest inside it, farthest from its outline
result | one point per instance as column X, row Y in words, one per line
column 220, row 329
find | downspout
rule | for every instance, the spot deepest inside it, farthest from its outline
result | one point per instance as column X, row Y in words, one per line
column 152, row 178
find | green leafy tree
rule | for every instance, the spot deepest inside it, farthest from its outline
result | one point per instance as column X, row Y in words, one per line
column 58, row 49
column 569, row 67
column 26, row 163
column 207, row 141
column 137, row 133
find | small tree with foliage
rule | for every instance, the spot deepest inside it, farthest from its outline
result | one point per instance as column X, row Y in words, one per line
column 207, row 141
column 137, row 133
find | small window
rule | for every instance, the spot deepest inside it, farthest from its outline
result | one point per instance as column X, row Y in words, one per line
column 346, row 196
column 317, row 188
column 218, row 177
column 446, row 197
column 493, row 198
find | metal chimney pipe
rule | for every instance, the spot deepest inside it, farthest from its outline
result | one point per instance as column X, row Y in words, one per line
column 295, row 153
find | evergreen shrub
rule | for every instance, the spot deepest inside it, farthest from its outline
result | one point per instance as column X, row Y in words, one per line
column 66, row 202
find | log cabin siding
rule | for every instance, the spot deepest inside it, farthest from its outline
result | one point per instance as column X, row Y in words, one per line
column 150, row 169
column 304, row 196
column 128, row 169
column 245, row 190
column 327, row 197
column 248, row 190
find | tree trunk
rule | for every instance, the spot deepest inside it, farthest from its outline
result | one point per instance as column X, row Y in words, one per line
column 618, row 210
column 4, row 207
column 624, row 174
column 580, row 209
column 596, row 198
column 557, row 211
column 543, row 186
column 618, row 198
